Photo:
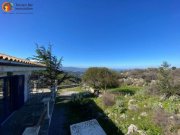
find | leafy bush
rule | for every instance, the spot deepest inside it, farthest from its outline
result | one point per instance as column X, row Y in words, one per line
column 128, row 81
column 124, row 90
column 160, row 117
column 100, row 78
column 108, row 99
column 165, row 80
column 152, row 89
column 149, row 75
column 77, row 98
column 172, row 106
column 120, row 105
column 80, row 98
column 169, row 123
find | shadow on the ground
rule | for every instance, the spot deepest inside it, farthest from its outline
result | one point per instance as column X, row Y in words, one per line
column 27, row 116
column 87, row 109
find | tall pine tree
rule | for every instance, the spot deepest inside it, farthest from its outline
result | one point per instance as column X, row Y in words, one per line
column 53, row 66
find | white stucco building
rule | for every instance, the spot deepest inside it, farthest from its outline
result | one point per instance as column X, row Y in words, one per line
column 14, row 77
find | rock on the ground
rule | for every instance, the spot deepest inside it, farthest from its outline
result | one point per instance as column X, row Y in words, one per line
column 178, row 131
column 160, row 105
column 163, row 97
column 123, row 116
column 131, row 101
column 141, row 132
column 144, row 114
column 178, row 115
column 133, row 107
column 132, row 129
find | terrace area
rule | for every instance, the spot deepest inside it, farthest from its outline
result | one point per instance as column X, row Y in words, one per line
column 32, row 114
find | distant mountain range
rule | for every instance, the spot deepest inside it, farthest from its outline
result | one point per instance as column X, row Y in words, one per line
column 74, row 69
column 82, row 70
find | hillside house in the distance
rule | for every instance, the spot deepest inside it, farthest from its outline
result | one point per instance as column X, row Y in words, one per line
column 14, row 89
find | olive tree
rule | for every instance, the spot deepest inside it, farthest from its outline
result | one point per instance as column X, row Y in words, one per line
column 100, row 78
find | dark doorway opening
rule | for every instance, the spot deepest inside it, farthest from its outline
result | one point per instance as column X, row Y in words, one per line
column 11, row 95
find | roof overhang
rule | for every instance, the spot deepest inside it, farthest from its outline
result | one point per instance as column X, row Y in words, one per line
column 13, row 64
column 19, row 68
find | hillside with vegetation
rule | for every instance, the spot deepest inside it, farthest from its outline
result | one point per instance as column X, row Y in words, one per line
column 137, row 102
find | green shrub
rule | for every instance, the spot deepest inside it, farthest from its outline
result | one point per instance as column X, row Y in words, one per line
column 120, row 105
column 100, row 78
column 80, row 98
column 108, row 99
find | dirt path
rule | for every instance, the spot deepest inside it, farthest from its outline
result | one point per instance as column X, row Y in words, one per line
column 59, row 121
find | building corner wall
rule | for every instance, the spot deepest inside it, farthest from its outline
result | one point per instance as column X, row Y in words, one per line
column 26, row 86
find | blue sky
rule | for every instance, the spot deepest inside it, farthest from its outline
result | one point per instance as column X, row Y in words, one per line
column 112, row 33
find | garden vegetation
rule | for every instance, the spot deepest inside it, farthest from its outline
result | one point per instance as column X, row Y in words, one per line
column 144, row 102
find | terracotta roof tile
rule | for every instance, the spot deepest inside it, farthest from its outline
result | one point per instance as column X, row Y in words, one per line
column 19, row 60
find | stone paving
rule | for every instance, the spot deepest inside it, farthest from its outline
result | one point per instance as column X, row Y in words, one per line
column 26, row 116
